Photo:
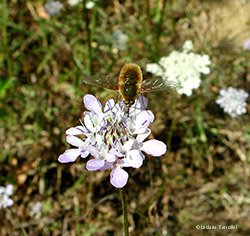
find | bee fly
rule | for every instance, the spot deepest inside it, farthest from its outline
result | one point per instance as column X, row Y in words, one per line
column 130, row 83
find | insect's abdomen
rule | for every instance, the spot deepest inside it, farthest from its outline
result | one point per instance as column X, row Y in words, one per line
column 130, row 80
column 130, row 90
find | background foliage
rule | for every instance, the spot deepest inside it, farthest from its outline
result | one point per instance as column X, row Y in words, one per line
column 204, row 177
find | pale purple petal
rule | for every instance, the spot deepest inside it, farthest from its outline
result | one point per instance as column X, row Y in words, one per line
column 134, row 159
column 154, row 147
column 143, row 101
column 118, row 177
column 9, row 202
column 110, row 157
column 92, row 104
column 69, row 155
column 144, row 118
column 139, row 105
column 75, row 130
column 74, row 141
column 94, row 164
column 107, row 165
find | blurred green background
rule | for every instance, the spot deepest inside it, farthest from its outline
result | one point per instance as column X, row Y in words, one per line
column 203, row 179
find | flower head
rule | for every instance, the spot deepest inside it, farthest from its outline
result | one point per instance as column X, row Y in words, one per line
column 233, row 101
column 114, row 138
column 182, row 67
column 53, row 7
column 36, row 208
column 119, row 40
column 74, row 2
column 5, row 192
column 90, row 5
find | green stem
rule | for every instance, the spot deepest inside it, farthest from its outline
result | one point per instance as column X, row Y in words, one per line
column 124, row 212
column 159, row 26
column 90, row 28
column 172, row 127
column 5, row 38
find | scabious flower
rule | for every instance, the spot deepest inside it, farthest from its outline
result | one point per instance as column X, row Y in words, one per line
column 113, row 137
column 183, row 67
column 119, row 40
column 5, row 192
column 246, row 45
column 233, row 101
column 53, row 7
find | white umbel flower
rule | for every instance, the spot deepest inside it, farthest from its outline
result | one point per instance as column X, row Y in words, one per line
column 233, row 101
column 188, row 46
column 5, row 192
column 182, row 67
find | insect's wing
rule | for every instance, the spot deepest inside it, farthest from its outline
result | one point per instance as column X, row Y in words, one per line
column 102, row 81
column 158, row 84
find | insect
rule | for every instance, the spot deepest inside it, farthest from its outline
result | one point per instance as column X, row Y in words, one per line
column 130, row 83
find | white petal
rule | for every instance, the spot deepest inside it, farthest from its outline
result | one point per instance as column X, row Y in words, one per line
column 142, row 136
column 88, row 123
column 128, row 145
column 2, row 190
column 109, row 105
column 9, row 189
column 154, row 147
column 69, row 155
column 75, row 130
column 84, row 153
column 94, row 164
column 92, row 104
column 94, row 152
column 74, row 141
column 118, row 177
